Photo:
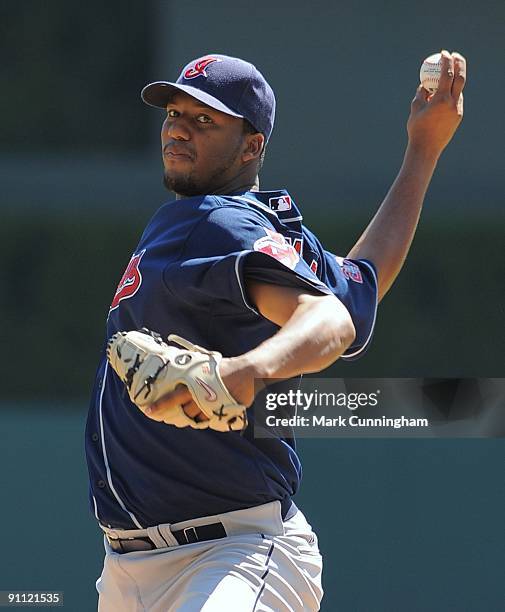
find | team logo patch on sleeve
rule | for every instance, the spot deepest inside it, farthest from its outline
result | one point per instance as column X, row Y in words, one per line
column 275, row 245
column 130, row 281
column 198, row 68
column 350, row 269
column 297, row 243
column 280, row 203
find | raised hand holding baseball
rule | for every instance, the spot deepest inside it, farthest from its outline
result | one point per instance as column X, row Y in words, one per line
column 435, row 117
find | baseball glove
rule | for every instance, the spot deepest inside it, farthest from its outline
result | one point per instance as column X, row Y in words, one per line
column 150, row 369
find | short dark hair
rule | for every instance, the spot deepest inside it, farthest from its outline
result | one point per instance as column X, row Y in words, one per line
column 250, row 129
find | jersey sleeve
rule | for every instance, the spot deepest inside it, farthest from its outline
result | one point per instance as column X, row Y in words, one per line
column 228, row 244
column 354, row 283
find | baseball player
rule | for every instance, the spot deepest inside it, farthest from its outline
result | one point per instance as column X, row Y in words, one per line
column 197, row 512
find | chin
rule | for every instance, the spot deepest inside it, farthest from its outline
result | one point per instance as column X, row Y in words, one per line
column 182, row 185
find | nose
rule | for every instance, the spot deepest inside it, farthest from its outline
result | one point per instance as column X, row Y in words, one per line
column 176, row 128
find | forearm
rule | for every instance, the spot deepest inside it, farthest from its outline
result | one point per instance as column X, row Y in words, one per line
column 316, row 334
column 387, row 239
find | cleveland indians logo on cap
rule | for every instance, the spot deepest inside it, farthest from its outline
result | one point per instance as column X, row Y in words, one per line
column 130, row 281
column 198, row 68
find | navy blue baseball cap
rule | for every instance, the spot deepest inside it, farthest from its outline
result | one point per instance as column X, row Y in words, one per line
column 228, row 84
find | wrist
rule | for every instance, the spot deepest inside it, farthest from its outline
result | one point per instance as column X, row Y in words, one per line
column 421, row 153
column 257, row 363
column 249, row 365
column 238, row 375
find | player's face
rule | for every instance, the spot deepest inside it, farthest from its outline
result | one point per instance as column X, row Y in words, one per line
column 201, row 147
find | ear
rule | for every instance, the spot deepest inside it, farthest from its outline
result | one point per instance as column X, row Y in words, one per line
column 254, row 145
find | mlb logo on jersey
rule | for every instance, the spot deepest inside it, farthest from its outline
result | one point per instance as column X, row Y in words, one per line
column 198, row 68
column 275, row 245
column 130, row 281
column 350, row 269
column 280, row 203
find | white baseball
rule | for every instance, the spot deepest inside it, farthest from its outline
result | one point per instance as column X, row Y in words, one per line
column 429, row 74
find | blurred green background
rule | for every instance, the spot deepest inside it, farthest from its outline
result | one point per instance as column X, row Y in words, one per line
column 403, row 524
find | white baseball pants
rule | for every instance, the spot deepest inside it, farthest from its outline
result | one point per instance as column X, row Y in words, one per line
column 264, row 564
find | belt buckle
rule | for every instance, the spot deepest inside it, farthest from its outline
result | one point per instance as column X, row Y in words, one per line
column 191, row 530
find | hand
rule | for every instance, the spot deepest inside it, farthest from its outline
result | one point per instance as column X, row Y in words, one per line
column 434, row 119
column 235, row 373
column 180, row 396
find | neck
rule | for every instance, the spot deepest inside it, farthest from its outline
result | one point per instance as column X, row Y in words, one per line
column 238, row 183
column 245, row 180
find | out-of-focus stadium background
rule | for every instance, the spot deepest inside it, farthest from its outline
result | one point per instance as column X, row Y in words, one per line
column 406, row 524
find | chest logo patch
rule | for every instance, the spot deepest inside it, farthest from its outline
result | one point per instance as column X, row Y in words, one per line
column 350, row 270
column 198, row 68
column 280, row 203
column 276, row 245
column 130, row 281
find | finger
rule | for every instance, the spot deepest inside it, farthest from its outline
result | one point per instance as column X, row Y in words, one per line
column 180, row 395
column 420, row 99
column 446, row 74
column 459, row 75
column 168, row 411
column 193, row 411
column 459, row 105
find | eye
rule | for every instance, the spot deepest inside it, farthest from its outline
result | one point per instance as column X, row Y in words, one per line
column 171, row 112
column 204, row 119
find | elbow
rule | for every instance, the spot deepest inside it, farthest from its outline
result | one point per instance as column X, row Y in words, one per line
column 344, row 331
column 337, row 332
column 350, row 336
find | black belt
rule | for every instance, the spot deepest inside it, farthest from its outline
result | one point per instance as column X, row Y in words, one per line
column 189, row 535
column 214, row 531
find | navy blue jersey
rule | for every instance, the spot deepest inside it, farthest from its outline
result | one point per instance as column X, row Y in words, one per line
column 188, row 276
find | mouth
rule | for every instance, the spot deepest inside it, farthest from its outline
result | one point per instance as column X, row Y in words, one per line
column 172, row 154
